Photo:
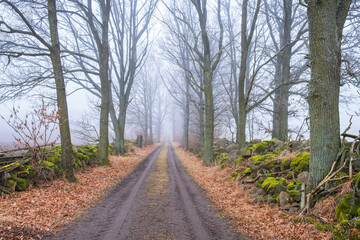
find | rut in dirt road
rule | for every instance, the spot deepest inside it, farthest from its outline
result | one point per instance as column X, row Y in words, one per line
column 158, row 200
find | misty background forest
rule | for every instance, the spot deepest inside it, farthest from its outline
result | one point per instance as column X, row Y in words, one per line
column 198, row 72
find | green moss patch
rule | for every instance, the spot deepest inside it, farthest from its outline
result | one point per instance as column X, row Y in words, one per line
column 259, row 147
column 269, row 183
column 301, row 162
column 293, row 193
column 21, row 184
column 292, row 184
column 258, row 159
column 347, row 208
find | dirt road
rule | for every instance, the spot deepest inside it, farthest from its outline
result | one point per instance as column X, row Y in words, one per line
column 158, row 200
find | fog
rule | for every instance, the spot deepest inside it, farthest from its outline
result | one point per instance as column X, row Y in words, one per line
column 166, row 71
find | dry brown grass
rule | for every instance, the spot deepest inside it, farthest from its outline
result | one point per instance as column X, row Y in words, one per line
column 257, row 220
column 58, row 202
column 326, row 208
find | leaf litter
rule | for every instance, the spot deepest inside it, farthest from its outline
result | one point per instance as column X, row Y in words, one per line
column 44, row 209
column 256, row 220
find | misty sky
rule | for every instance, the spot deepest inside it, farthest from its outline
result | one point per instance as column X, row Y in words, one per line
column 79, row 102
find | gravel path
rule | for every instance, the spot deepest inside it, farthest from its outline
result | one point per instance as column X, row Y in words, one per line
column 158, row 200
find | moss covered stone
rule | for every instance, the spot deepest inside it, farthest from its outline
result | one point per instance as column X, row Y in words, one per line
column 283, row 181
column 355, row 184
column 234, row 175
column 247, row 171
column 301, row 162
column 292, row 185
column 286, row 162
column 293, row 193
column 259, row 147
column 269, row 183
column 11, row 184
column 289, row 175
column 21, row 184
column 239, row 160
column 26, row 171
column 347, row 208
column 258, row 159
column 48, row 164
column 346, row 229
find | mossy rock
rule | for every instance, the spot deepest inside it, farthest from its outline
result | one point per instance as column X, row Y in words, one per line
column 26, row 171
column 258, row 159
column 323, row 227
column 269, row 184
column 355, row 184
column 284, row 145
column 238, row 171
column 346, row 229
column 347, row 208
column 283, row 181
column 289, row 175
column 21, row 184
column 293, row 193
column 357, row 224
column 247, row 171
column 239, row 160
column 11, row 184
column 292, row 185
column 286, row 162
column 221, row 158
column 261, row 147
column 301, row 162
column 47, row 165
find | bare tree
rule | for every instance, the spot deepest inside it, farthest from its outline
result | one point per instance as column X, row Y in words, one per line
column 208, row 62
column 99, row 28
column 128, row 49
column 142, row 106
column 47, row 44
column 284, row 26
column 130, row 22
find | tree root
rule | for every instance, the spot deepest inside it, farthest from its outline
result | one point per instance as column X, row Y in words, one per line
column 331, row 176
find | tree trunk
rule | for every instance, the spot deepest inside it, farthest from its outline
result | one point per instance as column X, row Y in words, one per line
column 119, row 126
column 173, row 126
column 326, row 21
column 66, row 146
column 158, row 128
column 241, row 131
column 209, row 116
column 187, row 116
column 151, row 123
column 208, row 71
column 277, row 98
column 105, row 105
column 285, row 72
column 202, row 125
column 146, row 125
column 105, row 83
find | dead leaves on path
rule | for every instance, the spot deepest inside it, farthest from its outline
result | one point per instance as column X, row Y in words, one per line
column 43, row 209
column 257, row 220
